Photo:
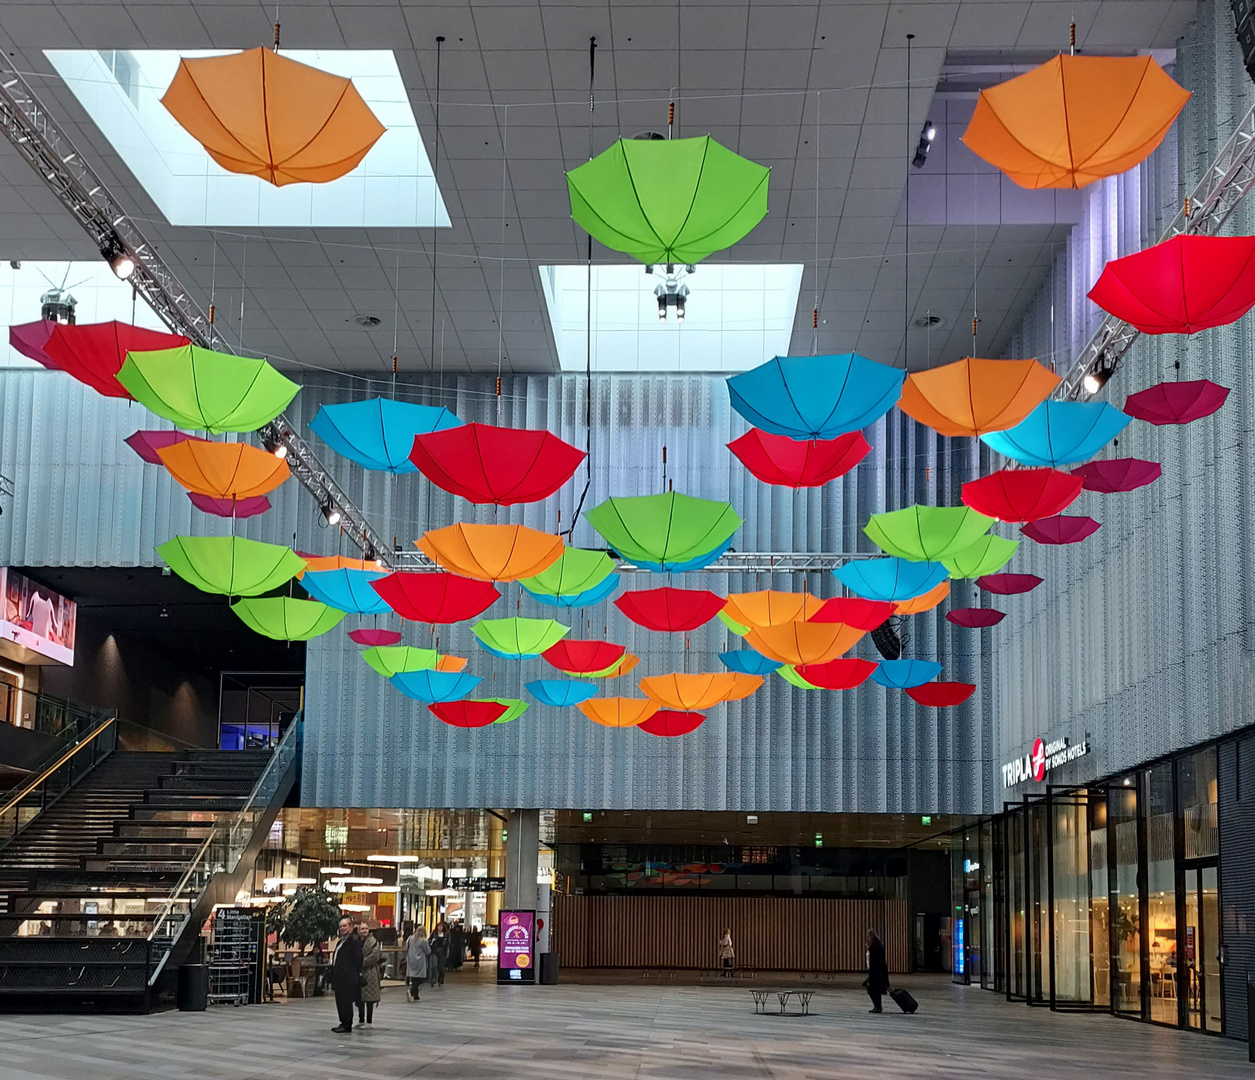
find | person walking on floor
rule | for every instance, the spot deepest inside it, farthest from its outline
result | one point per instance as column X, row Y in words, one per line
column 417, row 963
column 372, row 975
column 439, row 942
column 476, row 944
column 727, row 956
column 877, row 982
column 346, row 973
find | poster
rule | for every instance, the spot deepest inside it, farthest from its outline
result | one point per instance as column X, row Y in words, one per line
column 37, row 618
column 516, row 949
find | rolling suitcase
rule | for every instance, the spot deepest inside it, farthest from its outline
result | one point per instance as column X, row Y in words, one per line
column 904, row 1001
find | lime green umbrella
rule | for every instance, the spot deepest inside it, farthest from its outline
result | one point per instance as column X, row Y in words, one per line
column 389, row 660
column 575, row 572
column 789, row 674
column 668, row 200
column 205, row 390
column 514, row 708
column 285, row 619
column 517, row 638
column 230, row 565
column 732, row 624
column 987, row 556
column 665, row 532
column 927, row 533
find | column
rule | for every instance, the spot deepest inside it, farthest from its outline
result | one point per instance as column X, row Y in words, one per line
column 521, row 860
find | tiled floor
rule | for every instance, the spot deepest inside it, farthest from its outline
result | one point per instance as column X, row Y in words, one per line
column 473, row 1030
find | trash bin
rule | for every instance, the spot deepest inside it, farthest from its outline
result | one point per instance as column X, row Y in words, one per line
column 192, row 994
column 550, row 968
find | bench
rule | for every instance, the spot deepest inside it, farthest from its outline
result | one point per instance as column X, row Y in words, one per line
column 763, row 996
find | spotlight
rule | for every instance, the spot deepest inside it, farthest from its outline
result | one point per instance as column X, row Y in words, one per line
column 274, row 445
column 679, row 304
column 56, row 305
column 887, row 641
column 331, row 512
column 1100, row 374
column 114, row 252
column 925, row 144
column 662, row 305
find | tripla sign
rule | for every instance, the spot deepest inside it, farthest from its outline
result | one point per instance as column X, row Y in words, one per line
column 1041, row 759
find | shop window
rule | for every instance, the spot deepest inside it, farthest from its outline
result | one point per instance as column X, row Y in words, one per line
column 1197, row 793
column 1161, row 895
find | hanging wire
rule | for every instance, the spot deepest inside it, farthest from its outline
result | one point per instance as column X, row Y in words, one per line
column 505, row 145
column 815, row 312
column 435, row 194
column 906, row 239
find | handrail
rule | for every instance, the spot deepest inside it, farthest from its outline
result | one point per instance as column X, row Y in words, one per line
column 82, row 744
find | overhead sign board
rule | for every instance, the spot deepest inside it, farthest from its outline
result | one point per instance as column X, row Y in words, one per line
column 1043, row 757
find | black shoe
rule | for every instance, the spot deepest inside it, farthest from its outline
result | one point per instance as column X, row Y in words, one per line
column 875, row 1010
column 342, row 1030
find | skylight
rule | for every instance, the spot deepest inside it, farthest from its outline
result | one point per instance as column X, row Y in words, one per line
column 393, row 187
column 736, row 316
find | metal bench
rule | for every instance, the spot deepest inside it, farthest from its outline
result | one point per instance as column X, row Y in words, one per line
column 763, row 996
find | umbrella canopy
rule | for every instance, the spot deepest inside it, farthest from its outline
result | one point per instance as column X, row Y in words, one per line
column 975, row 618
column 576, row 572
column 379, row 434
column 147, row 443
column 1176, row 402
column 230, row 508
column 1186, row 284
column 926, row 533
column 561, row 693
column 618, row 711
column 30, row 338
column 1075, row 119
column 815, row 397
column 514, row 708
column 974, row 396
column 206, row 390
column 285, row 619
column 902, row 674
column 491, row 552
column 785, row 462
column 584, row 657
column 789, row 674
column 864, row 614
column 940, row 695
column 587, row 598
column 672, row 723
column 348, row 590
column 1116, row 475
column 1060, row 530
column 670, row 610
column 668, row 200
column 799, row 643
column 891, row 579
column 261, row 114
column 517, row 638
column 697, row 562
column 430, row 686
column 929, row 600
column 223, row 470
column 316, row 563
column 836, row 674
column 684, row 692
column 94, row 352
column 1008, row 584
column 451, row 663
column 664, row 530
column 770, row 608
column 748, row 662
column 372, row 636
column 487, row 464
column 230, row 565
column 988, row 555
column 435, row 598
column 1060, row 432
column 1022, row 494
column 468, row 714
column 388, row 660
column 616, row 670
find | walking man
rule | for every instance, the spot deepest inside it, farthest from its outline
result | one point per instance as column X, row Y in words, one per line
column 346, row 973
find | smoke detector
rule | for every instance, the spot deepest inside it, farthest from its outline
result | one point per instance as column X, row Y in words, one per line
column 367, row 322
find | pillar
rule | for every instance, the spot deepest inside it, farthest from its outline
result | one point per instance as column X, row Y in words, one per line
column 522, row 851
column 496, row 868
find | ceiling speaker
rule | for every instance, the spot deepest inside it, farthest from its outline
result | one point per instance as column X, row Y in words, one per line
column 885, row 638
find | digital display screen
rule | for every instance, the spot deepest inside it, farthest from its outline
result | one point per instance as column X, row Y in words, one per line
column 36, row 617
column 516, row 948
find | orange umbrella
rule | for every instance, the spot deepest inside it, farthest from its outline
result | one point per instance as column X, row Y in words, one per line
column 451, row 663
column 1075, row 119
column 261, row 114
column 621, row 666
column 974, row 396
column 926, row 602
column 618, row 711
column 223, row 470
column 687, row 693
column 316, row 563
column 491, row 552
column 799, row 643
column 770, row 608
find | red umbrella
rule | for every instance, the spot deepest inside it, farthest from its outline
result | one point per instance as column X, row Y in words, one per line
column 669, row 723
column 844, row 674
column 1176, row 402
column 487, row 464
column 1060, row 530
column 975, row 618
column 854, row 611
column 468, row 714
column 1008, row 584
column 1186, row 284
column 670, row 610
column 785, row 462
column 94, row 352
column 583, row 657
column 30, row 338
column 368, row 636
column 249, row 506
column 435, row 598
column 1118, row 474
column 147, row 443
column 1022, row 494
column 941, row 694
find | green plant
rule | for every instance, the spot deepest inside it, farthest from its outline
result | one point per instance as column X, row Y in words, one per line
column 311, row 916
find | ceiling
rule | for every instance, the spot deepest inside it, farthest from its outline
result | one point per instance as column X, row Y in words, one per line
column 774, row 81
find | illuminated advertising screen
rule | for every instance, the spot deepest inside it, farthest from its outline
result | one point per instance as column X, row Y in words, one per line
column 516, row 947
column 37, row 618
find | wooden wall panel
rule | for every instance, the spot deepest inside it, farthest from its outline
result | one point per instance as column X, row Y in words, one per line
column 770, row 933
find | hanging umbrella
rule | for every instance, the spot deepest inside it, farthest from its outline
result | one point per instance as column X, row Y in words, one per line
column 430, row 686
column 230, row 508
column 864, row 614
column 616, row 670
column 975, row 618
column 514, row 708
column 1008, row 584
column 789, row 674
column 230, row 565
column 561, row 693
column 815, row 397
column 672, row 723
column 576, row 574
column 375, row 636
column 891, row 579
column 285, row 619
column 491, row 552
column 518, row 638
column 435, row 598
column 1116, row 475
column 698, row 562
column 701, row 691
column 836, row 674
column 317, row 563
column 94, row 352
column 487, row 464
column 451, row 663
column 1186, row 284
column 1060, row 432
column 223, row 470
column 919, row 604
column 926, row 533
column 588, row 598
column 379, row 433
column 940, row 695
column 468, row 714
column 205, row 390
column 618, row 711
column 261, row 114
column 799, row 643
column 388, row 660
column 147, row 443
column 1176, row 402
column 903, row 674
column 770, row 608
column 974, row 396
column 670, row 610
column 584, row 657
column 785, row 462
column 748, row 662
column 1022, row 494
column 1060, row 530
column 348, row 590
column 30, row 338
column 664, row 531
column 1075, row 119
column 668, row 200
column 987, row 556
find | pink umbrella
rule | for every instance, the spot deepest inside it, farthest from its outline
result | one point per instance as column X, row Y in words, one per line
column 975, row 618
column 1176, row 402
column 1060, row 530
column 1008, row 584
column 147, row 443
column 369, row 636
column 1118, row 474
column 30, row 338
column 236, row 508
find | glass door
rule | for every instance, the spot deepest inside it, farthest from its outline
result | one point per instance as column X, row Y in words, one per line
column 1201, row 943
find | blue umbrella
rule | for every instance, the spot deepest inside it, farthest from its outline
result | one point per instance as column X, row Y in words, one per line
column 748, row 662
column 815, row 397
column 379, row 433
column 594, row 595
column 434, row 686
column 891, row 578
column 904, row 674
column 561, row 693
column 346, row 589
column 698, row 563
column 1059, row 433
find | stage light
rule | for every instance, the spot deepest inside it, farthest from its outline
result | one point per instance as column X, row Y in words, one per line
column 114, row 252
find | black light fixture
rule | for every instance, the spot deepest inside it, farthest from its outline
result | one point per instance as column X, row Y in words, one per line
column 114, row 252
column 926, row 138
column 671, row 291
column 885, row 638
column 275, row 445
column 1100, row 374
column 57, row 305
column 331, row 512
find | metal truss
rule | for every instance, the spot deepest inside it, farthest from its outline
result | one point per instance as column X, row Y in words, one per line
column 731, row 562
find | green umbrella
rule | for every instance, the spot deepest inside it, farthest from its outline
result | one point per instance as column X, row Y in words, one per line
column 514, row 708
column 927, row 533
column 576, row 571
column 732, row 624
column 789, row 674
column 285, row 619
column 205, row 390
column 987, row 556
column 668, row 200
column 230, row 565
column 664, row 531
column 389, row 660
column 517, row 638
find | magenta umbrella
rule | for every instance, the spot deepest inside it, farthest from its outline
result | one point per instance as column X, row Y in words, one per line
column 1060, row 529
column 236, row 508
column 371, row 636
column 1176, row 402
column 30, row 338
column 1118, row 474
column 975, row 618
column 1008, row 584
column 147, row 443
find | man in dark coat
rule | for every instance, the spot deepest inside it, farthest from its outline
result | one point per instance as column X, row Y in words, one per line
column 346, row 973
column 877, row 970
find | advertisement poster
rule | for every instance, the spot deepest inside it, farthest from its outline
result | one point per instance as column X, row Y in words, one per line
column 516, row 949
column 37, row 618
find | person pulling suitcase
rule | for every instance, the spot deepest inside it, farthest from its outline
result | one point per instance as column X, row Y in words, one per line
column 877, row 982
